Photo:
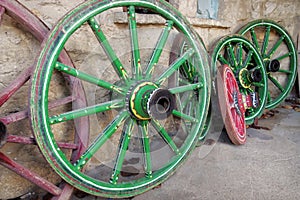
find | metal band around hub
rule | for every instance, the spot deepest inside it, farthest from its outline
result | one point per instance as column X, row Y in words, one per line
column 146, row 101
column 138, row 100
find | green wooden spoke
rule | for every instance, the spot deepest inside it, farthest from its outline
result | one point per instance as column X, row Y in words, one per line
column 248, row 59
column 190, row 111
column 86, row 111
column 143, row 128
column 89, row 78
column 276, row 83
column 118, row 67
column 158, row 48
column 184, row 116
column 257, row 84
column 123, row 147
column 223, row 60
column 174, row 66
column 239, row 53
column 269, row 98
column 185, row 88
column 285, row 71
column 266, row 41
column 186, row 100
column 254, row 39
column 249, row 90
column 164, row 134
column 101, row 139
column 183, row 81
column 275, row 47
column 187, row 70
column 231, row 55
column 137, row 70
column 279, row 58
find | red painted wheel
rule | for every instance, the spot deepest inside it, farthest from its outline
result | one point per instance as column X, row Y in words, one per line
column 231, row 103
column 10, row 136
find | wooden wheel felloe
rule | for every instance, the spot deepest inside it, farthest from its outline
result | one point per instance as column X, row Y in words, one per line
column 147, row 121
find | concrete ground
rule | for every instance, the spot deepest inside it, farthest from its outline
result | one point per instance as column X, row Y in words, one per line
column 266, row 167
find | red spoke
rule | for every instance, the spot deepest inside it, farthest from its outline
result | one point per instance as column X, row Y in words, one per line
column 29, row 175
column 31, row 140
column 14, row 117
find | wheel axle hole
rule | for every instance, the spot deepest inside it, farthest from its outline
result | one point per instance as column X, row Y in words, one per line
column 256, row 75
column 274, row 66
column 163, row 105
column 3, row 133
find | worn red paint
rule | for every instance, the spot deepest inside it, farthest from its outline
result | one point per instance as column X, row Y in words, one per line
column 29, row 175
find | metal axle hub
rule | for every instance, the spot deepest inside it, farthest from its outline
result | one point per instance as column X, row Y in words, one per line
column 138, row 98
column 3, row 133
column 146, row 100
column 161, row 104
column 274, row 66
column 246, row 77
column 255, row 75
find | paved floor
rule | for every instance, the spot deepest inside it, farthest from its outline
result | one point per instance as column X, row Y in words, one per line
column 266, row 167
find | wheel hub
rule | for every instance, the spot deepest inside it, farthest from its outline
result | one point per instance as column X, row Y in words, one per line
column 161, row 104
column 146, row 100
column 138, row 97
column 246, row 77
column 3, row 133
column 243, row 77
column 256, row 75
column 274, row 66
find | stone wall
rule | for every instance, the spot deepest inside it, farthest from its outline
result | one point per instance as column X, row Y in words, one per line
column 232, row 14
column 19, row 49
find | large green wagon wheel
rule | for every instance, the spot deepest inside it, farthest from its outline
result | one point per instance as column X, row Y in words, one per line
column 247, row 65
column 279, row 54
column 146, row 125
column 187, row 71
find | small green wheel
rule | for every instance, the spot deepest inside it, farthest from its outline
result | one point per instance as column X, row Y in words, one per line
column 144, row 122
column 187, row 71
column 247, row 66
column 279, row 54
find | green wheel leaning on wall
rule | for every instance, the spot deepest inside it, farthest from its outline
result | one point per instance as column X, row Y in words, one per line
column 279, row 54
column 148, row 117
column 188, row 72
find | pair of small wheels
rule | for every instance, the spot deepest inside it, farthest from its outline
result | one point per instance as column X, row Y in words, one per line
column 263, row 61
column 146, row 115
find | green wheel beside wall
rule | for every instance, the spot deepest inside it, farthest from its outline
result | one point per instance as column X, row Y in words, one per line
column 187, row 71
column 148, row 118
column 279, row 54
